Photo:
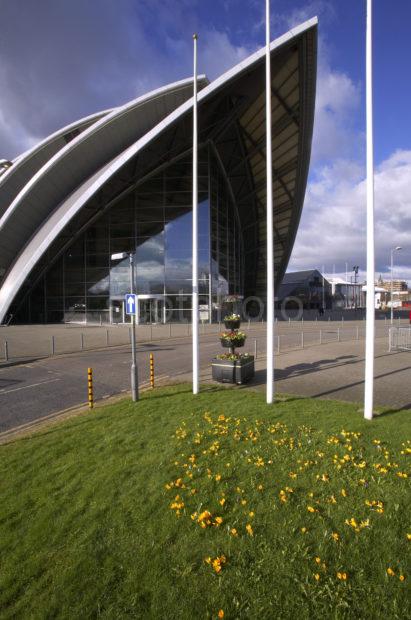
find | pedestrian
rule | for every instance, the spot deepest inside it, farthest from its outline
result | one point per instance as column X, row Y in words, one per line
column 410, row 317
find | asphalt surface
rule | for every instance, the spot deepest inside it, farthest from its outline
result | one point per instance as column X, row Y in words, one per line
column 34, row 390
column 31, row 391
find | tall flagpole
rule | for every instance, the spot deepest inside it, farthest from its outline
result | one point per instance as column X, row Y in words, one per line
column 370, row 313
column 195, row 232
column 270, row 229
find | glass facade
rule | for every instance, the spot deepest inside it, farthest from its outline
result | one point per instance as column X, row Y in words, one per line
column 154, row 222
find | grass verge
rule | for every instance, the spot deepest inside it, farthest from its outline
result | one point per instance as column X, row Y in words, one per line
column 182, row 507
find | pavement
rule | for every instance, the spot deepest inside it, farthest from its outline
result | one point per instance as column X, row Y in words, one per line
column 30, row 392
column 336, row 371
column 31, row 342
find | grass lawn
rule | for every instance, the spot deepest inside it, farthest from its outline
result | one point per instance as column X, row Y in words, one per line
column 207, row 507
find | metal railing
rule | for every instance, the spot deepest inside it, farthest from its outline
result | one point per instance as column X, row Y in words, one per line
column 27, row 343
column 399, row 339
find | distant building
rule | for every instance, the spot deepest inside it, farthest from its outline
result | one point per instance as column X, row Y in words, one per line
column 346, row 294
column 380, row 296
column 398, row 286
column 310, row 288
column 400, row 293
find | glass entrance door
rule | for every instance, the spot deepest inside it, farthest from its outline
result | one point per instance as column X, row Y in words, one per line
column 151, row 311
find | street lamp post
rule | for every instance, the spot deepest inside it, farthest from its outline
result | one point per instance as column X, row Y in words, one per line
column 396, row 249
column 134, row 369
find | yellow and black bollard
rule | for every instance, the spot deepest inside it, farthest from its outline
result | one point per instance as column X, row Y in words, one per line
column 151, row 370
column 90, row 388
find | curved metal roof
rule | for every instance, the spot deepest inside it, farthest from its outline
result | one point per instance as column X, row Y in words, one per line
column 28, row 163
column 230, row 108
column 80, row 158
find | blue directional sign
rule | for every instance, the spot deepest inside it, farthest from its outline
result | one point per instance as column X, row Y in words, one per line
column 131, row 303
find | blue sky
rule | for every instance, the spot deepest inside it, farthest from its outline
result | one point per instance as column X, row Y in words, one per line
column 61, row 60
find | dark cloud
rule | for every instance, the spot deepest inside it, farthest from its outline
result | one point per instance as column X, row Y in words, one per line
column 61, row 60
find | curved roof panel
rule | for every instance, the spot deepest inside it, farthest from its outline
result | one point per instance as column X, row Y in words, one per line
column 28, row 163
column 235, row 103
column 80, row 158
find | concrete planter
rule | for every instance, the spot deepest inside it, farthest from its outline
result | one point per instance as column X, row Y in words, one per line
column 236, row 371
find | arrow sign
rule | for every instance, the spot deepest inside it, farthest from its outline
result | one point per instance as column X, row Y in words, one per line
column 131, row 303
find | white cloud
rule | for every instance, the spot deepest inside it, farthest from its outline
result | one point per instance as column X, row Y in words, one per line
column 337, row 102
column 219, row 54
column 337, row 96
column 333, row 224
column 295, row 17
column 216, row 53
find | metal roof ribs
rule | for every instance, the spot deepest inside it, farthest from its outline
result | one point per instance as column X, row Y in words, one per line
column 276, row 174
column 286, row 107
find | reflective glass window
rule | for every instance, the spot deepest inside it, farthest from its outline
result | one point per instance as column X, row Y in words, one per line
column 155, row 223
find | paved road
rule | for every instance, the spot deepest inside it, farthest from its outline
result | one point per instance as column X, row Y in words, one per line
column 33, row 390
column 335, row 370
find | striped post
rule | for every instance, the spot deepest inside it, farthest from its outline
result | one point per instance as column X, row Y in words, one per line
column 90, row 388
column 151, row 371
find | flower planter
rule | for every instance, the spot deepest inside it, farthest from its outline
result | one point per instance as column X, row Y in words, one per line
column 233, row 371
column 232, row 367
column 228, row 344
column 232, row 324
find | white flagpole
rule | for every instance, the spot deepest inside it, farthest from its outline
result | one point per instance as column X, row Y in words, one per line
column 270, row 230
column 195, row 232
column 370, row 312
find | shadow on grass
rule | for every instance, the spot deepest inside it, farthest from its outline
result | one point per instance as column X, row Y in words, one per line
column 260, row 376
column 401, row 410
column 171, row 391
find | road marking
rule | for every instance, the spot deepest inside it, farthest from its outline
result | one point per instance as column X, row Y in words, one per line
column 26, row 387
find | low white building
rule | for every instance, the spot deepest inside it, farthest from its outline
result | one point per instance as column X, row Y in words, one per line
column 346, row 294
column 380, row 296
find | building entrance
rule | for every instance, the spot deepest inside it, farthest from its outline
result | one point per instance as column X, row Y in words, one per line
column 151, row 309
